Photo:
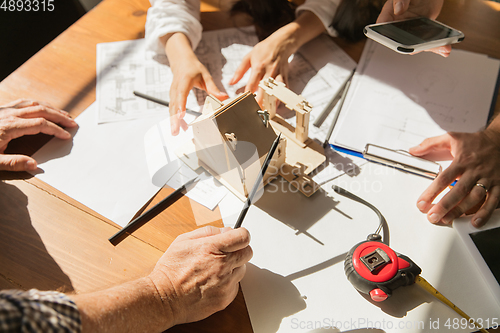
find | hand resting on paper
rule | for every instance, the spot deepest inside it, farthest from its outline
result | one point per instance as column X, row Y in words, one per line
column 397, row 10
column 476, row 165
column 198, row 275
column 27, row 117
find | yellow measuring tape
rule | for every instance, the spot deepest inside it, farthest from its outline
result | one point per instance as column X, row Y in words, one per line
column 429, row 288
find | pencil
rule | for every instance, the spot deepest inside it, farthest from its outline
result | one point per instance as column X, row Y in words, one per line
column 162, row 102
column 336, row 116
column 149, row 214
column 262, row 172
column 336, row 97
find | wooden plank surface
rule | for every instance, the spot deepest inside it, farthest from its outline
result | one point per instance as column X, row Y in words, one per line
column 48, row 244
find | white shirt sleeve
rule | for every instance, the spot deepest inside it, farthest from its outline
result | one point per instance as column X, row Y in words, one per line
column 169, row 16
column 324, row 9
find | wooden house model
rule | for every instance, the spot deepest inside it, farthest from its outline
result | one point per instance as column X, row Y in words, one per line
column 232, row 138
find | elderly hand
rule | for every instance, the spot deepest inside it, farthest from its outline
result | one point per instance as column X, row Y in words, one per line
column 25, row 117
column 397, row 10
column 476, row 165
column 199, row 273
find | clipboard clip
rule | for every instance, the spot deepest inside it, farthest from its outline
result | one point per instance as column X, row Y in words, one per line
column 403, row 160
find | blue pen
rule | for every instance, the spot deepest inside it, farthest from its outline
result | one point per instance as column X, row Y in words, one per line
column 359, row 154
column 346, row 151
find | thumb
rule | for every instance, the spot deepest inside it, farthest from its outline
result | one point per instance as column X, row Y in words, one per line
column 442, row 142
column 400, row 6
column 17, row 163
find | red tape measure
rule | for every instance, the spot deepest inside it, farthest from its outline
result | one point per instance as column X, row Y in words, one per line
column 374, row 268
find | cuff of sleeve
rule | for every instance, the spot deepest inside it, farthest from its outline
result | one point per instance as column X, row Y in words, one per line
column 159, row 24
column 34, row 310
column 324, row 9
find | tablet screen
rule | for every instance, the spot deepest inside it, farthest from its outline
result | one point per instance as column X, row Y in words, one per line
column 488, row 245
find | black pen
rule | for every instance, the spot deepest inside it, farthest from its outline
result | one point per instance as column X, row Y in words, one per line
column 148, row 215
column 257, row 182
column 162, row 102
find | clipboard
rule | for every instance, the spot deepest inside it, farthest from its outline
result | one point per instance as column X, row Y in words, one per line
column 383, row 108
column 403, row 160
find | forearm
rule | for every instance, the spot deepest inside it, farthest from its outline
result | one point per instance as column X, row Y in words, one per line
column 325, row 10
column 131, row 307
column 295, row 34
column 178, row 49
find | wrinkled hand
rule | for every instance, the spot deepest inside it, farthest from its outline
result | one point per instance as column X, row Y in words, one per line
column 199, row 273
column 25, row 117
column 188, row 72
column 476, row 160
column 397, row 10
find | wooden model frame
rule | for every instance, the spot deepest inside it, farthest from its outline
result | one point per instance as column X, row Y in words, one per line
column 232, row 138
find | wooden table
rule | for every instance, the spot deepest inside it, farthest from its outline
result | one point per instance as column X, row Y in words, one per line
column 50, row 241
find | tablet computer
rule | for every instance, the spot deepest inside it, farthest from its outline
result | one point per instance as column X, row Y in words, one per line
column 484, row 246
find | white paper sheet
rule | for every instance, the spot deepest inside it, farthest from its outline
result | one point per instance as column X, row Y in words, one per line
column 115, row 168
column 317, row 71
column 337, row 165
column 125, row 66
column 165, row 167
column 396, row 101
column 295, row 281
column 104, row 166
